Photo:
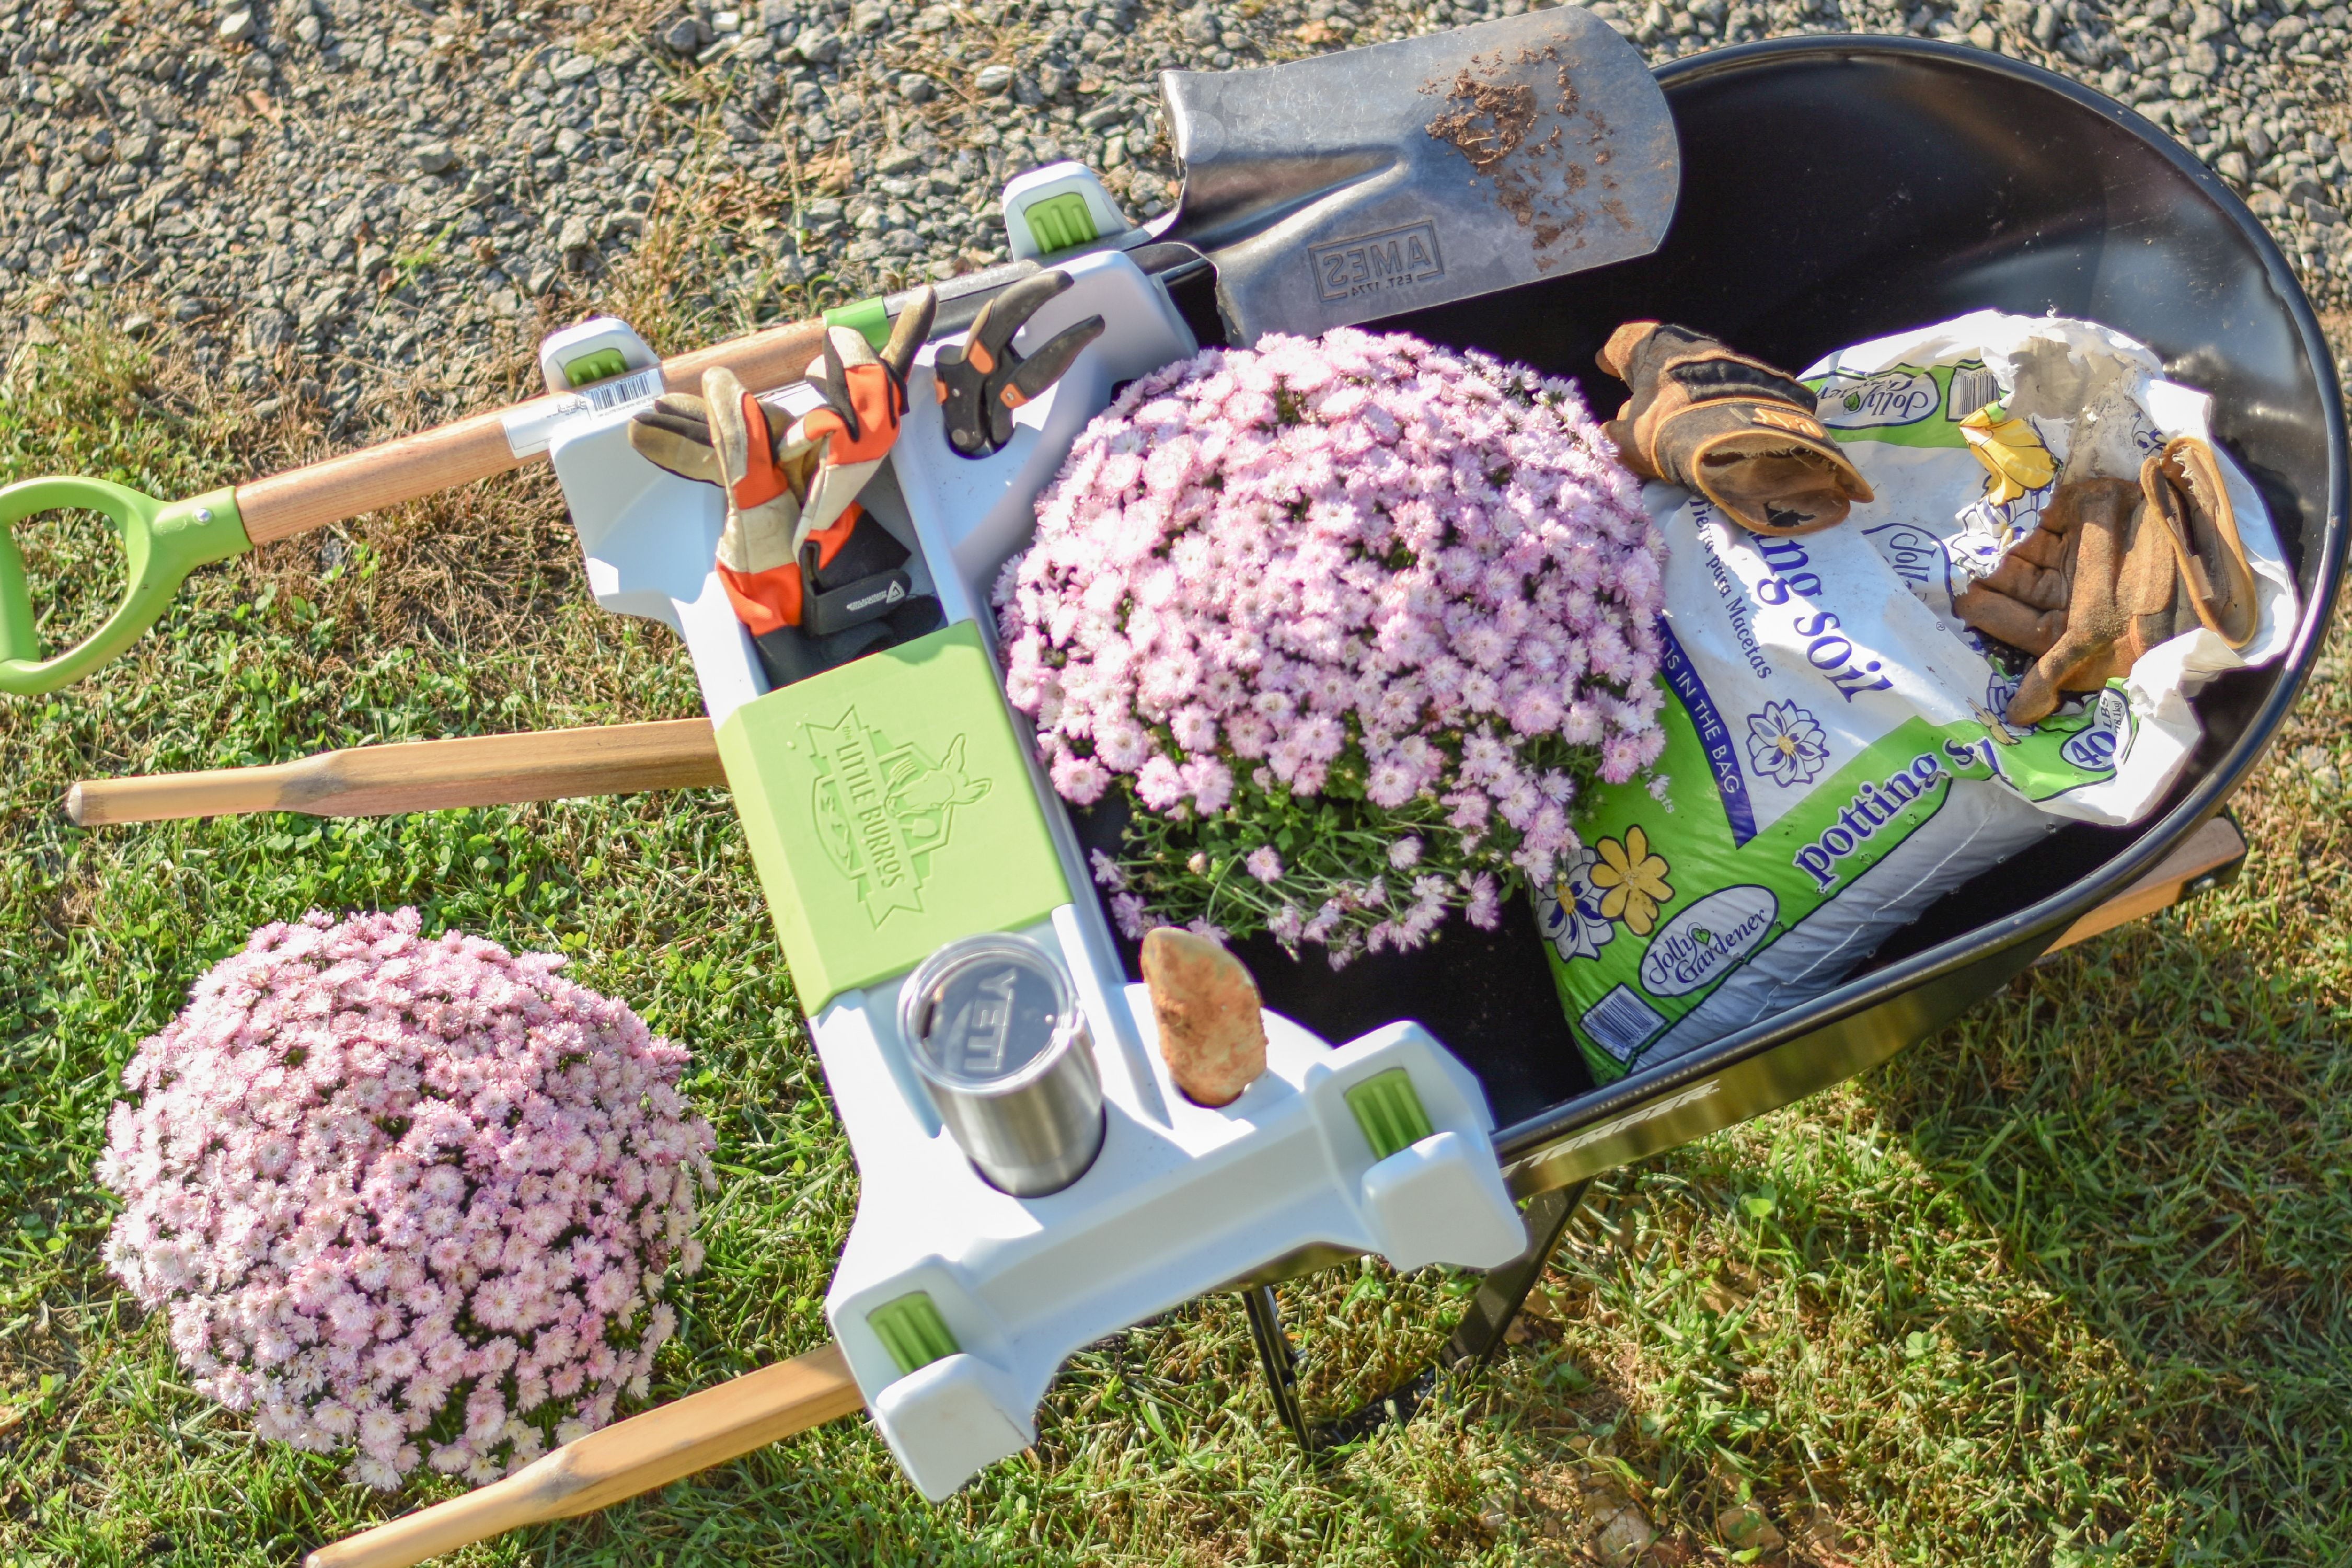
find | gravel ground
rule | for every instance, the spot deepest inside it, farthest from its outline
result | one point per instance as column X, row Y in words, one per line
column 316, row 196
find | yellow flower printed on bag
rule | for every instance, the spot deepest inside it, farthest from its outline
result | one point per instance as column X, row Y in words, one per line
column 2011, row 452
column 1632, row 882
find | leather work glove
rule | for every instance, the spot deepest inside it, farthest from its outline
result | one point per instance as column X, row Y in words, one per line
column 984, row 379
column 2117, row 567
column 799, row 559
column 1738, row 431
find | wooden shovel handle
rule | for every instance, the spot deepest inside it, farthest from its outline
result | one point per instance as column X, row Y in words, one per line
column 422, row 775
column 640, row 1454
column 475, row 448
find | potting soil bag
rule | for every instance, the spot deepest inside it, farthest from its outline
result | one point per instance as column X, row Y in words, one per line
column 1836, row 758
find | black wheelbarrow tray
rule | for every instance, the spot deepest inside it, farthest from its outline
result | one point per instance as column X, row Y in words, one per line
column 1835, row 190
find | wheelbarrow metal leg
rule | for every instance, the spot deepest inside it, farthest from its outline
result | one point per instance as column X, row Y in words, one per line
column 1473, row 1343
column 1280, row 1359
column 1503, row 1290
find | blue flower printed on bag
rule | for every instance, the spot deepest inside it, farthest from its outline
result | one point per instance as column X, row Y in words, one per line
column 1785, row 743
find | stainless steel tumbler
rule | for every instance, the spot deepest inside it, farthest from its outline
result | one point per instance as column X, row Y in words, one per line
column 995, row 1031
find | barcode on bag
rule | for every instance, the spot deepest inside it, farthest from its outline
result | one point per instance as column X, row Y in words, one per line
column 1973, row 387
column 637, row 387
column 1622, row 1023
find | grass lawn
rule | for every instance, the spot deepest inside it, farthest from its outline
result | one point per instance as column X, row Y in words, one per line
column 2067, row 1284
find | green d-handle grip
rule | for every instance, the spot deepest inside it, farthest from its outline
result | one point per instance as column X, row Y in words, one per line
column 163, row 542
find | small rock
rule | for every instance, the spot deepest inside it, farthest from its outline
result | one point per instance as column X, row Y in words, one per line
column 992, row 79
column 575, row 69
column 1212, row 1023
column 267, row 330
column 819, row 46
column 575, row 235
column 310, row 30
column 869, row 17
column 916, row 88
column 1624, row 1536
column 435, row 157
column 682, row 37
column 1053, row 80
column 235, row 27
column 901, row 161
column 2232, row 167
column 138, row 326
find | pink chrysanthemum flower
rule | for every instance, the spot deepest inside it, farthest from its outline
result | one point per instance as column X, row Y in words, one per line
column 391, row 1191
column 1304, row 604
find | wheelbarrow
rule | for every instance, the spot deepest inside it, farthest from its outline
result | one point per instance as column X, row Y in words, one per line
column 1833, row 190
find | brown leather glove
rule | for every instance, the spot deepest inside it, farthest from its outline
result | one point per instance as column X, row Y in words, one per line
column 1735, row 429
column 2116, row 568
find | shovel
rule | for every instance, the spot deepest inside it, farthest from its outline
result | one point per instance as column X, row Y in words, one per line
column 1365, row 184
column 1324, row 193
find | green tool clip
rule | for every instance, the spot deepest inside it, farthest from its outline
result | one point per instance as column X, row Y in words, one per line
column 163, row 542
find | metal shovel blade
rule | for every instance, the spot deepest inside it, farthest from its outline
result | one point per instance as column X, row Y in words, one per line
column 1358, row 185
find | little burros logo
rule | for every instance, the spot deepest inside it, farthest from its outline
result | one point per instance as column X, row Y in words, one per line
column 884, row 807
column 1347, row 268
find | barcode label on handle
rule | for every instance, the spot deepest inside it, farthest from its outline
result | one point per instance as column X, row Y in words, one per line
column 1973, row 387
column 1622, row 1023
column 637, row 387
column 529, row 426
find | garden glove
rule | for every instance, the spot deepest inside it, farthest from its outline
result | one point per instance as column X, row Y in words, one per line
column 2116, row 568
column 798, row 557
column 1738, row 431
column 984, row 379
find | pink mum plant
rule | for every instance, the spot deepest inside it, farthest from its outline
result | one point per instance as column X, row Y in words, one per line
column 1349, row 622
column 411, row 1198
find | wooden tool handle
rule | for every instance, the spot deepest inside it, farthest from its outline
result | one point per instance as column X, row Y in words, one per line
column 475, row 448
column 2212, row 848
column 640, row 1454
column 422, row 775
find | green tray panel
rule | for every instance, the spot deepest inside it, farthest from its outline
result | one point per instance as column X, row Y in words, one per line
column 889, row 810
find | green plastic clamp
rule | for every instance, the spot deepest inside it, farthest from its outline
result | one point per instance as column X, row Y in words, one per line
column 870, row 316
column 602, row 365
column 1390, row 1112
column 912, row 1331
column 163, row 542
column 1057, row 222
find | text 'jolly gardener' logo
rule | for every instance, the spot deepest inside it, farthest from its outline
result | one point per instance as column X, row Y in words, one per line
column 883, row 808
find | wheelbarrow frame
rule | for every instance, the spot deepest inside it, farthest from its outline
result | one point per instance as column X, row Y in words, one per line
column 1551, row 1158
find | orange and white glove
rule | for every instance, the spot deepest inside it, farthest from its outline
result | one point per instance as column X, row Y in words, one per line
column 790, row 497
